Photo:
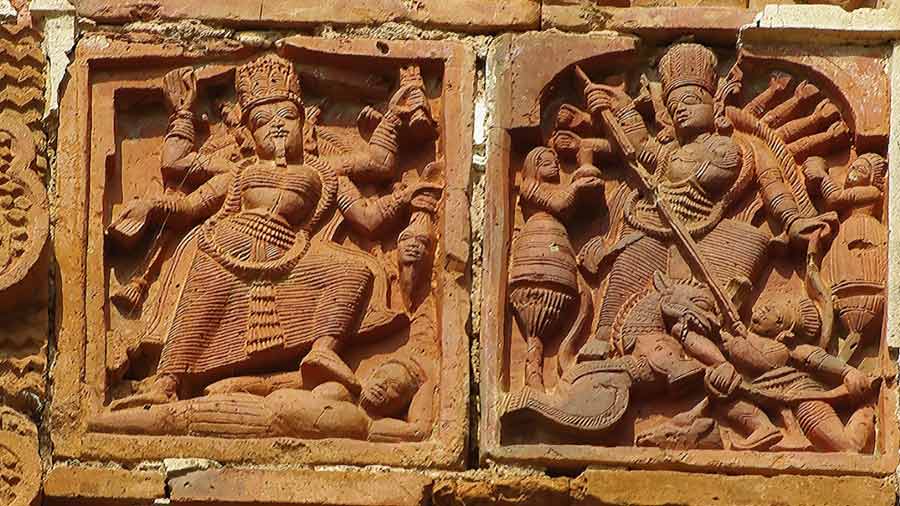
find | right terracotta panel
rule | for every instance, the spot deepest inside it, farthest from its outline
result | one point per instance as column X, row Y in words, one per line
column 689, row 252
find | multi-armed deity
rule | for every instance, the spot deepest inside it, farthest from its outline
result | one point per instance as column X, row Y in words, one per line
column 268, row 288
column 729, row 242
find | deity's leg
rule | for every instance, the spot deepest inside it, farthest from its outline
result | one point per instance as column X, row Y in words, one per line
column 824, row 428
column 631, row 273
column 340, row 305
column 794, row 439
column 750, row 419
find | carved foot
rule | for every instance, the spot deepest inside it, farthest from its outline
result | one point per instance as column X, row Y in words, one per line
column 594, row 350
column 322, row 365
column 141, row 399
column 792, row 442
column 130, row 296
column 761, row 439
column 163, row 390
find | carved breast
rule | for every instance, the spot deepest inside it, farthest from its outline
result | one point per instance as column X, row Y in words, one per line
column 712, row 162
column 288, row 192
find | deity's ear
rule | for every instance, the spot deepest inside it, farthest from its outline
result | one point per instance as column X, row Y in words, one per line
column 661, row 282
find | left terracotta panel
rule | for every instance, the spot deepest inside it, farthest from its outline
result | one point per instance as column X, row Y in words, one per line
column 24, row 265
column 263, row 255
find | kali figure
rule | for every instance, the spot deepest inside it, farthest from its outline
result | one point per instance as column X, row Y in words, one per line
column 259, row 292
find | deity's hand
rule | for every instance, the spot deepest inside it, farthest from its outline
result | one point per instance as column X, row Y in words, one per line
column 722, row 380
column 180, row 88
column 601, row 97
column 858, row 383
column 587, row 170
column 400, row 102
column 566, row 142
column 815, row 168
column 129, row 226
column 803, row 230
column 423, row 196
column 586, row 183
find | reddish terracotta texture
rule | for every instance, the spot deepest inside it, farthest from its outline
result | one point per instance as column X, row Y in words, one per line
column 24, row 228
column 579, row 14
column 325, row 342
column 242, row 486
column 655, row 488
column 658, row 325
column 73, row 486
column 463, row 15
column 70, row 486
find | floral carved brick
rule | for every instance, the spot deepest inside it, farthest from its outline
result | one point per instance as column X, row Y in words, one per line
column 24, row 266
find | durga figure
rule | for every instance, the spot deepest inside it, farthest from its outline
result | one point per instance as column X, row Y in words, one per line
column 682, row 263
column 260, row 292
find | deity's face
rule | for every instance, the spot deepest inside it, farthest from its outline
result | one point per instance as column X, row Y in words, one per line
column 413, row 246
column 770, row 319
column 691, row 108
column 548, row 167
column 276, row 126
column 388, row 390
column 860, row 174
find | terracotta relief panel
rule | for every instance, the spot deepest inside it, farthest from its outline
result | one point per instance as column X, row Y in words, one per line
column 276, row 252
column 24, row 226
column 693, row 244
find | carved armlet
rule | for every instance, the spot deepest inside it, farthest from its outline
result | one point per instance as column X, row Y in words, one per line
column 181, row 125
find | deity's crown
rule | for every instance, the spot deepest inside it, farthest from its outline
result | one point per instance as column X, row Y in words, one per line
column 267, row 79
column 688, row 64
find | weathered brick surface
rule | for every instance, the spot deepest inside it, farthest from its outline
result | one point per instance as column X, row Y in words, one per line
column 713, row 23
column 463, row 15
column 651, row 488
column 89, row 486
column 325, row 488
column 488, row 489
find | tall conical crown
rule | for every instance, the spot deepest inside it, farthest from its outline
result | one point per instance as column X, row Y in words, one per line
column 269, row 78
column 685, row 64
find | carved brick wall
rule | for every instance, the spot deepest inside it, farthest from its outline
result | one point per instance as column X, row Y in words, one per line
column 414, row 252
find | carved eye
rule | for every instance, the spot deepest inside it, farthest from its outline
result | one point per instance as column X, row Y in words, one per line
column 259, row 119
column 691, row 100
column 289, row 113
